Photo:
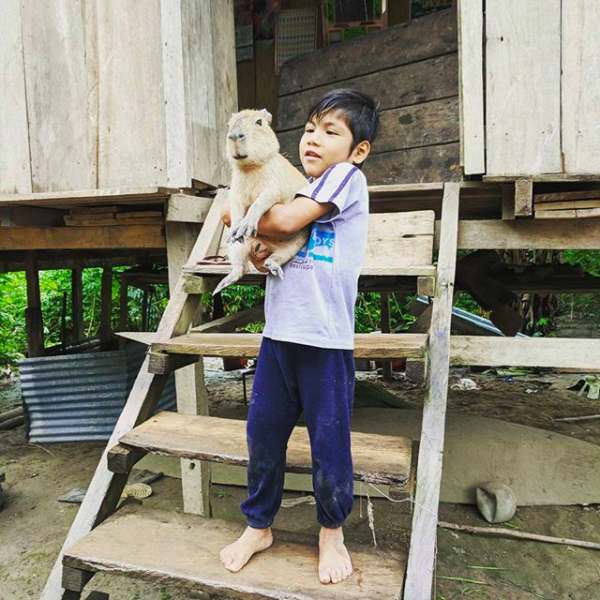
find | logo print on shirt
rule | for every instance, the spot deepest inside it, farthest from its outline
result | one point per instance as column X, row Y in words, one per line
column 319, row 248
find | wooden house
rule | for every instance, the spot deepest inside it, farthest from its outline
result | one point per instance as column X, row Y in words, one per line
column 490, row 121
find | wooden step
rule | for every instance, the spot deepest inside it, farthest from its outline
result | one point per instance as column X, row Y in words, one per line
column 378, row 459
column 182, row 551
column 373, row 271
column 367, row 345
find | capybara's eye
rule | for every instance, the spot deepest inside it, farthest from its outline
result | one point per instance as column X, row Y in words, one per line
column 258, row 121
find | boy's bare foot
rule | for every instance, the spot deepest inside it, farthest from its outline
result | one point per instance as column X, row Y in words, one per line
column 334, row 561
column 236, row 555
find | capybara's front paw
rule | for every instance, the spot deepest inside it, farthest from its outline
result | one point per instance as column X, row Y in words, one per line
column 245, row 229
column 274, row 268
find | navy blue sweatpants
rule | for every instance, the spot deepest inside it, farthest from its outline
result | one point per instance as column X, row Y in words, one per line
column 290, row 379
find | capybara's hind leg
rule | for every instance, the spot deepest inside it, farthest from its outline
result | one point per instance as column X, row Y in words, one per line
column 283, row 252
column 238, row 255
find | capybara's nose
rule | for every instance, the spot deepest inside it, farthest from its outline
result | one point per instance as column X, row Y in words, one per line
column 236, row 135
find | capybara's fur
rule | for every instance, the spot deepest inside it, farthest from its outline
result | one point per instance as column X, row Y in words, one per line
column 261, row 178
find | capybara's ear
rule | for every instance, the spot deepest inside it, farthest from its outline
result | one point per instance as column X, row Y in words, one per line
column 267, row 115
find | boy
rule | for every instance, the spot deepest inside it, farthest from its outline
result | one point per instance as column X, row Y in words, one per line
column 306, row 359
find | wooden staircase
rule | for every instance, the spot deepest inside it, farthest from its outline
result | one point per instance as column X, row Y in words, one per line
column 183, row 550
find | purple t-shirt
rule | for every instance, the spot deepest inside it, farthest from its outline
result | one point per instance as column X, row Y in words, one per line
column 314, row 302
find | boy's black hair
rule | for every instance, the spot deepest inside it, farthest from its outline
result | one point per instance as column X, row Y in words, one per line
column 358, row 109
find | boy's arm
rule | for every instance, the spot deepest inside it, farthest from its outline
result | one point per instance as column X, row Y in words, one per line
column 287, row 219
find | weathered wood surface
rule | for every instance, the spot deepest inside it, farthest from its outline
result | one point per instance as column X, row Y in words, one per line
column 523, row 197
column 412, row 70
column 582, row 213
column 523, row 46
column 184, row 554
column 376, row 458
column 61, row 137
column 105, row 487
column 426, row 164
column 192, row 396
column 420, row 39
column 399, row 240
column 182, row 208
column 208, row 58
column 404, row 85
column 580, row 89
column 569, row 204
column 367, row 345
column 131, row 108
column 470, row 40
column 92, row 238
column 89, row 198
column 568, row 196
column 15, row 167
column 534, row 352
column 427, row 124
column 527, row 234
column 101, row 94
column 215, row 270
column 421, row 561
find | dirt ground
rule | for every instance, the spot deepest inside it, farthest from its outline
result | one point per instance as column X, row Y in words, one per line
column 33, row 523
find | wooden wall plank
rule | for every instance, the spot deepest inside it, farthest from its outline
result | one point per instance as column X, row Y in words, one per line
column 523, row 87
column 413, row 83
column 470, row 33
column 57, row 89
column 15, row 170
column 210, row 85
column 416, row 165
column 581, row 86
column 417, row 40
column 174, row 94
column 131, row 117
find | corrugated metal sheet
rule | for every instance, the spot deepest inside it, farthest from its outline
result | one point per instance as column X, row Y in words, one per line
column 79, row 397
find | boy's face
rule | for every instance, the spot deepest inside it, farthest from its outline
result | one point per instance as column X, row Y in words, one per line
column 327, row 142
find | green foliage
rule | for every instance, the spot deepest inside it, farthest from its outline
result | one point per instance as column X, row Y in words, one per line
column 56, row 285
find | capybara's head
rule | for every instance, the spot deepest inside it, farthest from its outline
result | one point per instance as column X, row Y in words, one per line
column 250, row 139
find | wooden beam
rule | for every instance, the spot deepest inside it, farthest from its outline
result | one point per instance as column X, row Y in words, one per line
column 426, row 286
column 33, row 313
column 122, row 459
column 421, row 558
column 77, row 302
column 523, row 197
column 123, row 305
column 192, row 396
column 26, row 216
column 527, row 234
column 520, row 352
column 105, row 307
column 470, row 50
column 82, row 238
column 145, row 195
column 162, row 363
column 386, row 328
column 106, row 487
column 508, row 202
column 75, row 579
column 182, row 208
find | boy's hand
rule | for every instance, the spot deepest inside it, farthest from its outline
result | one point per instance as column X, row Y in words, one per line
column 258, row 254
